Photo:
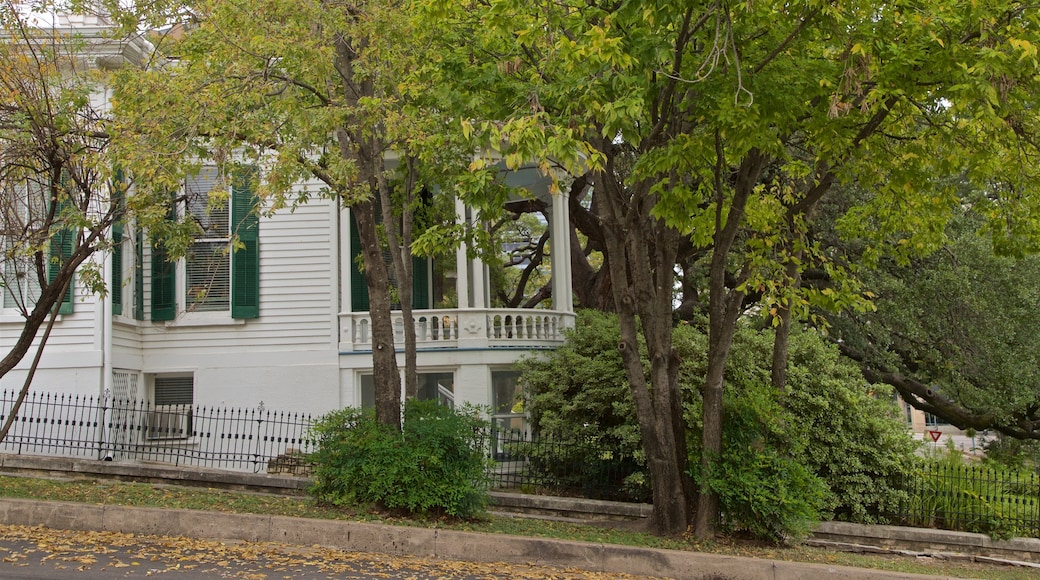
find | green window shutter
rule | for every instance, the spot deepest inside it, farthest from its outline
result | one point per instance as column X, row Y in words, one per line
column 62, row 244
column 138, row 275
column 245, row 261
column 117, row 268
column 358, row 284
column 164, row 278
column 420, row 283
column 116, row 283
column 164, row 283
column 421, row 291
column 61, row 250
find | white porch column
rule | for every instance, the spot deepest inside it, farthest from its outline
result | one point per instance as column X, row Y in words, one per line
column 472, row 280
column 562, row 292
column 461, row 261
column 478, row 271
column 344, row 328
column 345, row 265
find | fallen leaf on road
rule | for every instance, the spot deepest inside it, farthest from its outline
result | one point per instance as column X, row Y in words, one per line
column 252, row 560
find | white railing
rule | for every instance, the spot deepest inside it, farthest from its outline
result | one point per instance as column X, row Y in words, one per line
column 464, row 328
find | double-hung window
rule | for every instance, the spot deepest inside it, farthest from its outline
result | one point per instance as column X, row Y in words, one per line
column 207, row 266
column 126, row 282
column 22, row 221
column 20, row 279
column 20, row 282
column 220, row 272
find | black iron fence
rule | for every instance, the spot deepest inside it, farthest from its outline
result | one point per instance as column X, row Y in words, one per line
column 113, row 429
column 972, row 498
column 570, row 467
column 941, row 495
column 261, row 440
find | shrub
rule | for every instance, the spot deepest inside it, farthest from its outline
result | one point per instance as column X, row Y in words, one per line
column 763, row 488
column 854, row 436
column 592, row 467
column 437, row 464
column 1011, row 453
column 828, row 424
column 579, row 394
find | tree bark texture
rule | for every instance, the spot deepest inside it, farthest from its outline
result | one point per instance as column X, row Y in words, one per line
column 782, row 330
column 724, row 307
column 640, row 254
column 50, row 295
column 365, row 149
column 400, row 242
column 386, row 376
column 12, row 413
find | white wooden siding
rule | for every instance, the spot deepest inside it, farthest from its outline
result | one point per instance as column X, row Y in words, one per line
column 297, row 273
column 74, row 331
column 72, row 358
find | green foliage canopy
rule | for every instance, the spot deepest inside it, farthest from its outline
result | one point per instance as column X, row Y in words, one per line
column 726, row 124
column 954, row 332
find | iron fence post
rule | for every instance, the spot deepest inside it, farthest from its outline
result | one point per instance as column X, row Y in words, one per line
column 102, row 411
column 259, row 421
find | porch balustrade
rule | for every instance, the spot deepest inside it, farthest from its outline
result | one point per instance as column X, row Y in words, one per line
column 464, row 328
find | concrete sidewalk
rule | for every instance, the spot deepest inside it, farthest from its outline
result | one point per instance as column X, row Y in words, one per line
column 422, row 542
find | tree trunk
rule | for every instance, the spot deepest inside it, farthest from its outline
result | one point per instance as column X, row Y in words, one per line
column 12, row 413
column 29, row 329
column 782, row 330
column 660, row 420
column 724, row 307
column 793, row 272
column 365, row 150
column 781, row 336
column 386, row 376
column 724, row 310
column 50, row 295
column 46, row 309
column 400, row 243
column 591, row 284
column 720, row 338
column 640, row 255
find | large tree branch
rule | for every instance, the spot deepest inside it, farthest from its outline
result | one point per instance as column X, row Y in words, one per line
column 783, row 44
column 1024, row 424
column 662, row 105
column 827, row 180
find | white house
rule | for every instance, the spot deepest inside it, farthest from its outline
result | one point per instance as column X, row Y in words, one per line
column 282, row 322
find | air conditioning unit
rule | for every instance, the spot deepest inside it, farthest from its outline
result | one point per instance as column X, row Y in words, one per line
column 169, row 422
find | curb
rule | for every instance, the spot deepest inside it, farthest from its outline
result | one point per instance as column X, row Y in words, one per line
column 151, row 473
column 965, row 545
column 422, row 542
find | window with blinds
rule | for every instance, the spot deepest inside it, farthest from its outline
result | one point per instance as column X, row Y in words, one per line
column 208, row 262
column 26, row 206
column 212, row 277
column 171, row 414
column 21, row 285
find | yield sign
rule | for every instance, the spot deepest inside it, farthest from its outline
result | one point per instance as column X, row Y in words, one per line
column 935, row 435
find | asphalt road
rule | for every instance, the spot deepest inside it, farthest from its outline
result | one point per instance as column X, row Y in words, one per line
column 41, row 553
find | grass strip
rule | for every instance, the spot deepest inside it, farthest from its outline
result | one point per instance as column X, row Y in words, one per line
column 105, row 492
